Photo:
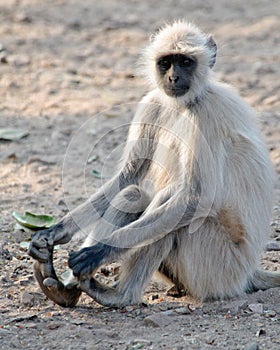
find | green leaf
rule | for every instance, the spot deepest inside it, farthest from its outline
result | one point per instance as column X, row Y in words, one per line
column 12, row 134
column 33, row 221
column 97, row 174
column 92, row 159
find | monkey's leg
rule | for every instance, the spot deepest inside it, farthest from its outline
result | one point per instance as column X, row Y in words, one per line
column 52, row 286
column 133, row 201
column 263, row 280
column 136, row 272
column 165, row 214
column 125, row 208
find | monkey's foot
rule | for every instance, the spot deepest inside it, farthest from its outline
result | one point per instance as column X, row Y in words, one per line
column 105, row 295
column 54, row 289
column 100, row 293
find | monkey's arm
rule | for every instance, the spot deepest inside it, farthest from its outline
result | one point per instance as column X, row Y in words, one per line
column 154, row 224
column 80, row 219
column 138, row 155
column 84, row 216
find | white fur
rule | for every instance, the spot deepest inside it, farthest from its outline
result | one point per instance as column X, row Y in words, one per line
column 204, row 201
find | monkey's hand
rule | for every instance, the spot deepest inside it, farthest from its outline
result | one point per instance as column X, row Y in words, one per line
column 43, row 241
column 86, row 260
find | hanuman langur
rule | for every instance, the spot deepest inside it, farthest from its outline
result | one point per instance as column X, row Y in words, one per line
column 192, row 199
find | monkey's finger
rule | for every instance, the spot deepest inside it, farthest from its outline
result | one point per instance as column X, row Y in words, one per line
column 52, row 284
column 39, row 242
column 60, row 237
column 50, row 242
column 42, row 255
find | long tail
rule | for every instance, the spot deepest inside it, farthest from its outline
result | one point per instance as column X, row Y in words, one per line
column 263, row 280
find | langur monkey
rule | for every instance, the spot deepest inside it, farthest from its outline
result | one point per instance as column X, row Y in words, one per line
column 192, row 199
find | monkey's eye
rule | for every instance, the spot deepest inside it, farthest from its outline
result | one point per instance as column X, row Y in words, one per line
column 186, row 62
column 164, row 64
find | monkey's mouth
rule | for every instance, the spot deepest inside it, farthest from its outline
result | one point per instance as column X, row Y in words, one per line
column 176, row 92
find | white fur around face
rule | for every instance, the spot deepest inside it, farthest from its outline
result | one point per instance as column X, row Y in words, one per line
column 179, row 37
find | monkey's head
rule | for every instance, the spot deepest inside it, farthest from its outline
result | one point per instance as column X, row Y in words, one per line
column 179, row 59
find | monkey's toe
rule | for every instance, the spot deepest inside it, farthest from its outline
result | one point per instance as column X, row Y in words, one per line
column 55, row 289
column 37, row 253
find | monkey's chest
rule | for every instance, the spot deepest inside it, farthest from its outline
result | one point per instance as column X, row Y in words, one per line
column 172, row 162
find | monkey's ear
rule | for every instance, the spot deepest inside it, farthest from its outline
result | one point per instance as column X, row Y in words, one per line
column 213, row 47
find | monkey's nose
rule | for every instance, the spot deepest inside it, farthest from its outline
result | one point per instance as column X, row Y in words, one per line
column 173, row 78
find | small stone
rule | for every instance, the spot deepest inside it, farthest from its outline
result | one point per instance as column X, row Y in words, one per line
column 261, row 332
column 23, row 18
column 31, row 325
column 19, row 60
column 27, row 299
column 234, row 307
column 53, row 325
column 140, row 343
column 25, row 281
column 270, row 313
column 252, row 346
column 151, row 321
column 129, row 308
column 61, row 201
column 75, row 25
column 3, row 57
column 4, row 252
column 210, row 341
column 256, row 308
column 183, row 311
column 160, row 319
column 262, row 68
column 272, row 246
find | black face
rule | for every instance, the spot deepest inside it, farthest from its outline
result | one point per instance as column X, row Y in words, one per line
column 176, row 72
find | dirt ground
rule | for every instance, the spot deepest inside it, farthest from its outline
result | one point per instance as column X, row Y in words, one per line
column 67, row 76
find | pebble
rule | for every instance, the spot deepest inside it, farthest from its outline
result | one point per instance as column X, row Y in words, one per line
column 234, row 306
column 136, row 343
column 272, row 246
column 160, row 319
column 23, row 18
column 61, row 202
column 261, row 332
column 53, row 325
column 256, row 308
column 252, row 346
column 19, row 60
column 183, row 311
column 270, row 313
column 27, row 299
column 3, row 57
column 262, row 68
column 4, row 252
column 129, row 308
